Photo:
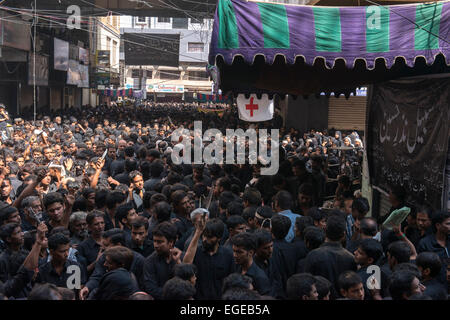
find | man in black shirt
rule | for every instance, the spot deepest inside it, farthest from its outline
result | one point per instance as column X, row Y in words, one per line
column 197, row 176
column 285, row 255
column 118, row 163
column 57, row 270
column 302, row 286
column 244, row 246
column 16, row 285
column 368, row 253
column 182, row 208
column 126, row 214
column 439, row 241
column 13, row 238
column 331, row 259
column 263, row 258
column 90, row 248
column 430, row 265
column 139, row 237
column 113, row 200
column 158, row 267
column 58, row 209
column 213, row 261
column 118, row 283
column 112, row 238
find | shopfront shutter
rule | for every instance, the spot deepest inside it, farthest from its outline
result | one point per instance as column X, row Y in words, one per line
column 347, row 114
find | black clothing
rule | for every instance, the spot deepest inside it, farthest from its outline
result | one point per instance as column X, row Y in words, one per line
column 25, row 225
column 108, row 222
column 212, row 269
column 47, row 274
column 123, row 178
column 189, row 181
column 435, row 289
column 273, row 274
column 117, row 166
column 116, row 285
column 261, row 282
column 429, row 243
column 156, row 273
column 146, row 249
column 184, row 225
column 137, row 267
column 8, row 268
column 89, row 250
column 285, row 257
column 10, row 264
column 15, row 286
column 384, row 283
column 329, row 261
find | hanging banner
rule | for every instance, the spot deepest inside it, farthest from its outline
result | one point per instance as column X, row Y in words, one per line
column 61, row 55
column 73, row 74
column 152, row 49
column 41, row 70
column 83, row 56
column 408, row 136
column 15, row 33
column 84, row 76
column 254, row 109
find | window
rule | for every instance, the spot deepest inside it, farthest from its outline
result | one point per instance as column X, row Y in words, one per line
column 108, row 43
column 198, row 76
column 141, row 19
column 136, row 73
column 196, row 47
column 163, row 20
column 169, row 75
column 180, row 23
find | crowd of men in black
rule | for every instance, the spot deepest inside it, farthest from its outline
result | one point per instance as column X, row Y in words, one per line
column 92, row 197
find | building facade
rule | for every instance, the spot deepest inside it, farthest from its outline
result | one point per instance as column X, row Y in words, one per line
column 106, row 44
column 166, row 83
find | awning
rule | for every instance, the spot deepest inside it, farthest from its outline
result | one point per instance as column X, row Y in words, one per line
column 364, row 44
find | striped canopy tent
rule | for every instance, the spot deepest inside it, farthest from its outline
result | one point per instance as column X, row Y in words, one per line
column 262, row 47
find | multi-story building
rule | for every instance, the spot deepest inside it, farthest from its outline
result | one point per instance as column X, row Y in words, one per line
column 166, row 83
column 106, row 39
column 55, row 82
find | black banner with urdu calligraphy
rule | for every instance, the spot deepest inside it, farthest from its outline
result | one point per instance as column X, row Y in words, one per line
column 408, row 132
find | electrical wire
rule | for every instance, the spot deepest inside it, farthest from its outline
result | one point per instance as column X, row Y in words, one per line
column 119, row 14
column 146, row 36
column 6, row 67
column 132, row 42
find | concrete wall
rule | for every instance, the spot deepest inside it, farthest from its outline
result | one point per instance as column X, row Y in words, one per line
column 86, row 96
column 56, row 98
column 306, row 114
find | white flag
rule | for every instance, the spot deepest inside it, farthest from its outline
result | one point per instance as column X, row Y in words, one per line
column 254, row 109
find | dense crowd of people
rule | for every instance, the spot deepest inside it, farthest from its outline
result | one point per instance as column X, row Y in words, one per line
column 93, row 208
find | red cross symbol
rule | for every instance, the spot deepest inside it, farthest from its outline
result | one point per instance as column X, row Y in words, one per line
column 251, row 107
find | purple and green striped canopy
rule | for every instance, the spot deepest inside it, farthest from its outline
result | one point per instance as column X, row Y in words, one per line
column 248, row 29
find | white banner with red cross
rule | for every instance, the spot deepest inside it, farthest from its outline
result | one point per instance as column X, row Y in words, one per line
column 254, row 109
